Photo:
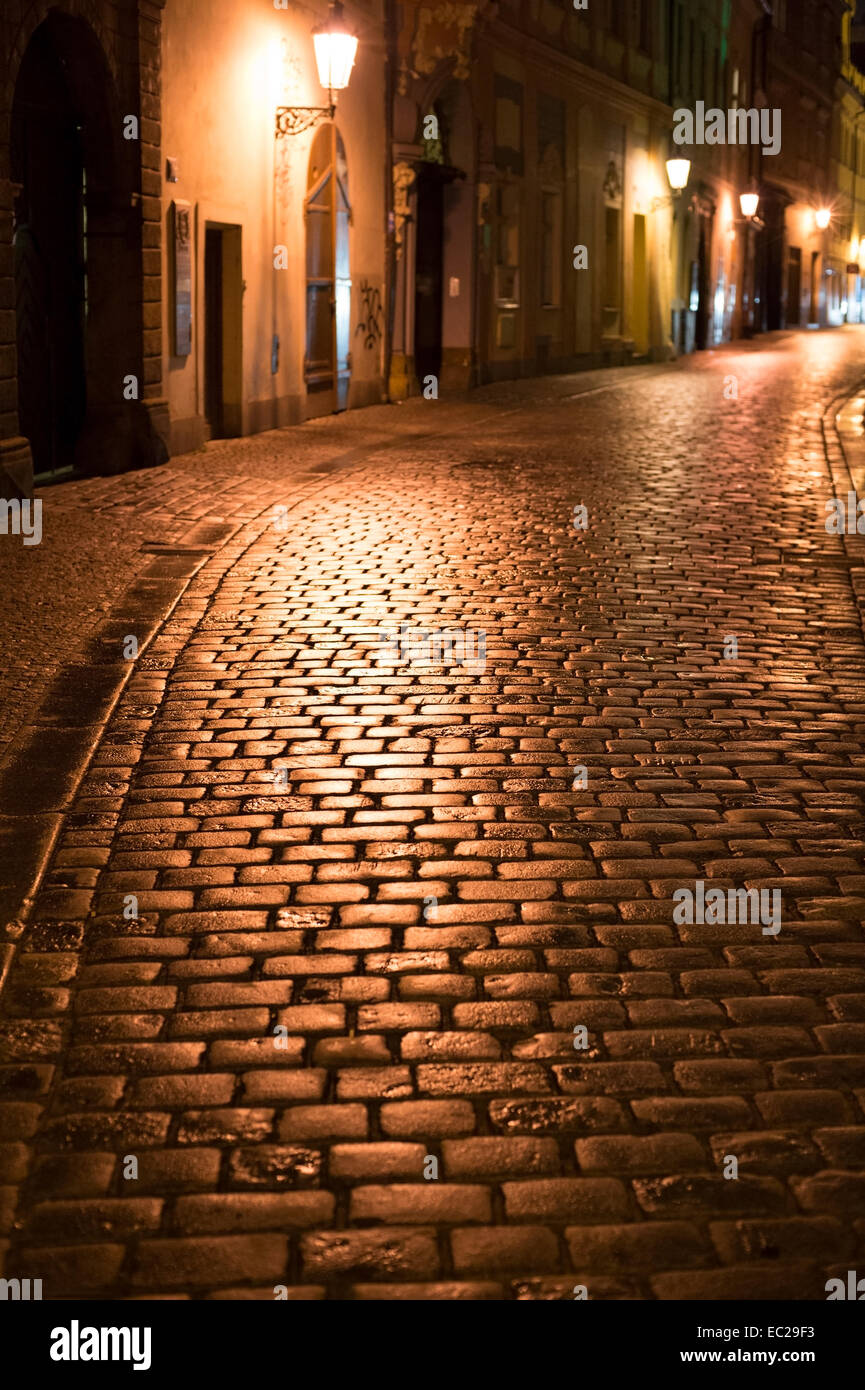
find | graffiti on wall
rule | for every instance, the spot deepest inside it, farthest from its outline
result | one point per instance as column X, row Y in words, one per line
column 371, row 320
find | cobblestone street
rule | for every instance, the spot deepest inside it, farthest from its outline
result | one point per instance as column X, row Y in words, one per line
column 298, row 1005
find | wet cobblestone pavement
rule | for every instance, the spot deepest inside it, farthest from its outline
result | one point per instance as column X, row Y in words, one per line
column 300, row 999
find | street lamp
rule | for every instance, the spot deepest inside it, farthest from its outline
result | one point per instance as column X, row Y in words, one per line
column 678, row 171
column 335, row 47
column 749, row 201
column 823, row 217
column 677, row 177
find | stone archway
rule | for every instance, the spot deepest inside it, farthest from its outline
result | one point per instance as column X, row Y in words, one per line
column 77, row 244
column 434, row 245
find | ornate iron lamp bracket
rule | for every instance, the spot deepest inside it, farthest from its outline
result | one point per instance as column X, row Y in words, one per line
column 293, row 120
column 701, row 205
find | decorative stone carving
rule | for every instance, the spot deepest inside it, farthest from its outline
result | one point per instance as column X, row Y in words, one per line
column 403, row 180
column 550, row 166
column 613, row 183
column 444, row 31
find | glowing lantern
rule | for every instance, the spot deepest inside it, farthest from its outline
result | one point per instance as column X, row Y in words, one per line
column 335, row 49
column 677, row 173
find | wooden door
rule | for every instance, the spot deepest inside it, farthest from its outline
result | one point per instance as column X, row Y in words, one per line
column 794, row 286
column 50, row 261
column 428, row 274
column 213, row 331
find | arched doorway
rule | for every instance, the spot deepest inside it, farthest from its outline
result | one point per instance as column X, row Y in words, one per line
column 327, row 364
column 77, row 245
column 444, row 217
column 429, row 253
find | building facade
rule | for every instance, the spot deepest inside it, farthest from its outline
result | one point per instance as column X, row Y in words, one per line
column 528, row 148
column 716, row 67
column 80, row 274
column 801, row 271
column 552, row 241
column 273, row 253
column 186, row 254
column 848, row 154
column 175, row 268
column 572, row 109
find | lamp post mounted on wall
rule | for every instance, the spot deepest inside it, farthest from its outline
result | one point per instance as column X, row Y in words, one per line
column 749, row 202
column 335, row 49
column 678, row 171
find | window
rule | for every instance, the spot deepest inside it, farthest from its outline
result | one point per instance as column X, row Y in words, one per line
column 506, row 275
column 676, row 58
column 612, row 273
column 646, row 25
column 551, row 247
column 826, row 38
column 509, row 120
column 507, row 244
